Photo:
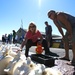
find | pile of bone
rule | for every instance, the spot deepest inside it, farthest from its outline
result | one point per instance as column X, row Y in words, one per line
column 12, row 63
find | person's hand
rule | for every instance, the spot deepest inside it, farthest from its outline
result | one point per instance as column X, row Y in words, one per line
column 20, row 49
column 39, row 42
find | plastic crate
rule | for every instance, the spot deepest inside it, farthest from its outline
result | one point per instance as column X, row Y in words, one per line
column 43, row 59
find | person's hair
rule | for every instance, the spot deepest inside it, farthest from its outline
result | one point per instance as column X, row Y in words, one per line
column 50, row 12
column 13, row 30
column 46, row 22
column 31, row 24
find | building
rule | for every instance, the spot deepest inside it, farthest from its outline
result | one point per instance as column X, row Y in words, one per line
column 21, row 32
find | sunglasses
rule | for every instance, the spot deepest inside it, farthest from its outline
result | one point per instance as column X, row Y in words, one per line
column 32, row 26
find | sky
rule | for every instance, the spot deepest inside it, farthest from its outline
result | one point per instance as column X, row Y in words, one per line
column 15, row 13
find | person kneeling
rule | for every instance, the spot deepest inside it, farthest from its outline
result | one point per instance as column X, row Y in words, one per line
column 32, row 37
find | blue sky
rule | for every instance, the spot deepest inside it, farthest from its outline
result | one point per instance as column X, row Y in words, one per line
column 13, row 11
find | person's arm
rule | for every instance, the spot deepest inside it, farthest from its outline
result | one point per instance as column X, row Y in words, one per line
column 63, row 18
column 41, row 39
column 49, row 30
column 23, row 43
column 40, row 36
column 59, row 28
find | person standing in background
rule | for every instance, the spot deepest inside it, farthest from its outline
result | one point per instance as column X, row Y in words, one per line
column 14, row 35
column 48, row 32
column 11, row 37
column 3, row 39
column 16, row 38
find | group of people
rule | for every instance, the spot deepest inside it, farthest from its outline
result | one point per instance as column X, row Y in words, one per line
column 62, row 21
column 7, row 38
column 12, row 37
